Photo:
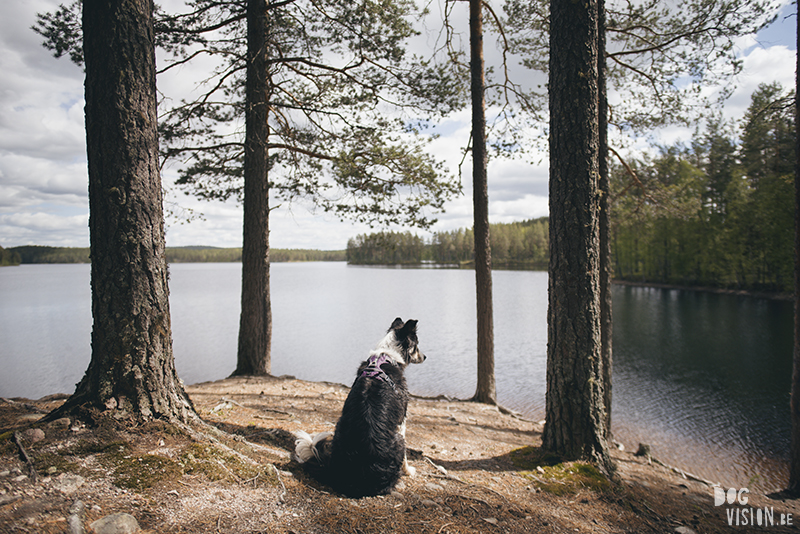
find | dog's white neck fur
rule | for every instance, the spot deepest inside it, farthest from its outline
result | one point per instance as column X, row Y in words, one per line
column 389, row 346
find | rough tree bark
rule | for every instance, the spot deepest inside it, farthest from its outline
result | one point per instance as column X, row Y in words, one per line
column 575, row 412
column 255, row 324
column 132, row 370
column 794, row 467
column 486, row 390
column 606, row 267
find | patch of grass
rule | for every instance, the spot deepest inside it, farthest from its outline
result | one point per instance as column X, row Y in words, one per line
column 556, row 477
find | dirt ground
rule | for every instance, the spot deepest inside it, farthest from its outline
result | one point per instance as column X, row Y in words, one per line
column 478, row 470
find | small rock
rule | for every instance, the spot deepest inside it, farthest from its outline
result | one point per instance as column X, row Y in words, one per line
column 52, row 470
column 430, row 486
column 34, row 434
column 490, row 520
column 684, row 530
column 19, row 478
column 5, row 473
column 77, row 507
column 429, row 503
column 75, row 525
column 68, row 484
column 643, row 450
column 116, row 524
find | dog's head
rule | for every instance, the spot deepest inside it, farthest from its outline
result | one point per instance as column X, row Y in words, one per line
column 402, row 337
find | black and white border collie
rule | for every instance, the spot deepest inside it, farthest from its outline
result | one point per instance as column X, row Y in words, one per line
column 367, row 453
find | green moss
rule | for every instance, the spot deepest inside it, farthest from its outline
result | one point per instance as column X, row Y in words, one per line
column 529, row 458
column 50, row 463
column 550, row 474
column 144, row 471
column 129, row 470
column 216, row 464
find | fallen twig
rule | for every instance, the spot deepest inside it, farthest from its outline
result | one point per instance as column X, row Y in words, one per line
column 25, row 456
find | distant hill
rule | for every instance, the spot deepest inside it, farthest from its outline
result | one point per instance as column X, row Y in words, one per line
column 191, row 254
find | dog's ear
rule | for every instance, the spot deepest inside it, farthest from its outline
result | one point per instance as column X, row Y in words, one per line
column 409, row 328
column 396, row 324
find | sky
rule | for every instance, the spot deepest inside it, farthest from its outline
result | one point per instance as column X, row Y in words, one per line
column 44, row 183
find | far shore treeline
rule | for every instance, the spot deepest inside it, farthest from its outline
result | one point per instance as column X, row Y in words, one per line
column 39, row 254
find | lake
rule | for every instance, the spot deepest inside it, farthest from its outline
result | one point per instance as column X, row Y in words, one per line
column 703, row 378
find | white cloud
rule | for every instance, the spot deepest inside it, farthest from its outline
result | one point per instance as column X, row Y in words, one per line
column 761, row 65
column 29, row 228
column 43, row 181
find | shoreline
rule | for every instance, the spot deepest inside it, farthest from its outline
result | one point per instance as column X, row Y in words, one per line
column 708, row 289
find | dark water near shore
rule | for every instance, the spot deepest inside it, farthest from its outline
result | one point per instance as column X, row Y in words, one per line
column 703, row 378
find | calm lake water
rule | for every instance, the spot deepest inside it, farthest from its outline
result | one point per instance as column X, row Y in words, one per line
column 703, row 378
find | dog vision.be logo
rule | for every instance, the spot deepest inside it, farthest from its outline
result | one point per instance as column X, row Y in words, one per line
column 739, row 514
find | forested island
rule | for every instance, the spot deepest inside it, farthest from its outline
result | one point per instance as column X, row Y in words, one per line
column 521, row 245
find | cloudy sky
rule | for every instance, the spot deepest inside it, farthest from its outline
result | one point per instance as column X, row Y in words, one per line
column 43, row 181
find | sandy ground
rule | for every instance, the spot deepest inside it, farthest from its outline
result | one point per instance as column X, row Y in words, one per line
column 478, row 470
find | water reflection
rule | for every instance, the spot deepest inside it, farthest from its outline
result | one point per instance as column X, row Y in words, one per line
column 706, row 379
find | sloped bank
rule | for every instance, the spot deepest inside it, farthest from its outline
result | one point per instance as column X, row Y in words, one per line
column 478, row 470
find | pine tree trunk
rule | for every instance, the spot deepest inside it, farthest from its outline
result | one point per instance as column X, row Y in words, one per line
column 255, row 324
column 606, row 267
column 794, row 467
column 486, row 390
column 132, row 370
column 575, row 413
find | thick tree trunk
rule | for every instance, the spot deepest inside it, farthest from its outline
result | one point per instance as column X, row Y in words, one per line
column 255, row 324
column 794, row 468
column 575, row 412
column 486, row 390
column 606, row 267
column 132, row 370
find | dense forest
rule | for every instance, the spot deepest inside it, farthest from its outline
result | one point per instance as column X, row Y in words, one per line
column 716, row 213
column 8, row 257
column 719, row 212
column 519, row 244
column 37, row 254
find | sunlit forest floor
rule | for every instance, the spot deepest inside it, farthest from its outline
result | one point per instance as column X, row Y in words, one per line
column 478, row 470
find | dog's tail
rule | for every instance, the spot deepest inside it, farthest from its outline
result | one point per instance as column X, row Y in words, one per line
column 314, row 449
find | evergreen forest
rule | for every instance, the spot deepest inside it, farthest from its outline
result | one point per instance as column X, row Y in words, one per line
column 716, row 212
column 514, row 245
column 39, row 254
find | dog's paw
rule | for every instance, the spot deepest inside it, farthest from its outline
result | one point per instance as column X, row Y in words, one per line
column 409, row 470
